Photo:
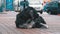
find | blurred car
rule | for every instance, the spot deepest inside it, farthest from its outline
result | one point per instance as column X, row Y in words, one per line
column 52, row 7
column 37, row 5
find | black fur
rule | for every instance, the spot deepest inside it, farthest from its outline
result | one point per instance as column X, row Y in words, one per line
column 26, row 14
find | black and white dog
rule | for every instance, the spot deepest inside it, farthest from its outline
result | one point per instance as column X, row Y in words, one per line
column 29, row 18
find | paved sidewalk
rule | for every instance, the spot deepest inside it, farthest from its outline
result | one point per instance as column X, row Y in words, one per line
column 7, row 25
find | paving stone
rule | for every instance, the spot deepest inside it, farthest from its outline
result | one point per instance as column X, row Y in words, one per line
column 7, row 25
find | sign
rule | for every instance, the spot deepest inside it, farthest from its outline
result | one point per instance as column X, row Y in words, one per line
column 9, row 5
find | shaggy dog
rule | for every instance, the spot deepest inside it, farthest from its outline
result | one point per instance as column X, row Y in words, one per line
column 29, row 18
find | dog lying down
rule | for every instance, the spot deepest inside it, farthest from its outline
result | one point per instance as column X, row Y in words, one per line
column 29, row 18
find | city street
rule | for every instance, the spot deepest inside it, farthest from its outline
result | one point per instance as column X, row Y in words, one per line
column 7, row 24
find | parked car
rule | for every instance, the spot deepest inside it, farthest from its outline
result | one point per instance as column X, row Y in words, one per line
column 52, row 7
column 37, row 5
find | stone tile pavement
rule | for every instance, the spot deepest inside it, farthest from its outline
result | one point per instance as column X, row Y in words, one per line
column 7, row 25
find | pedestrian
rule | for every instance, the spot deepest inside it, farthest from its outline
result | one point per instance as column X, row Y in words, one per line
column 23, row 4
